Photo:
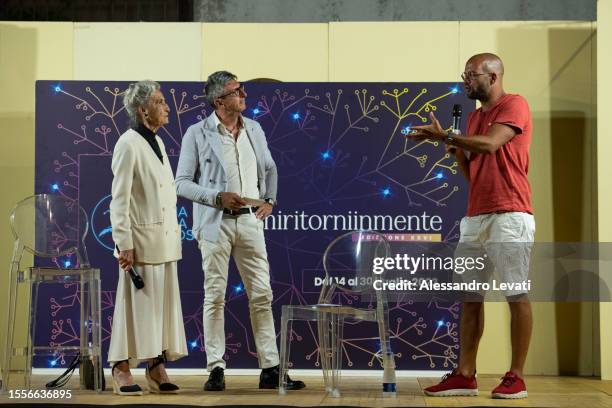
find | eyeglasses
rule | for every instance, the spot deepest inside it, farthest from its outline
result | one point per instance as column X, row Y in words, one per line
column 235, row 92
column 468, row 76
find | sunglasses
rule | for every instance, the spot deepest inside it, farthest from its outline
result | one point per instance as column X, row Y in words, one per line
column 235, row 92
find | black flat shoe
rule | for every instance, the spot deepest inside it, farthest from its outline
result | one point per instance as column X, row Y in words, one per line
column 268, row 380
column 216, row 380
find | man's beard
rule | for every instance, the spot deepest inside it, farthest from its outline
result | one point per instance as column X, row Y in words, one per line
column 477, row 94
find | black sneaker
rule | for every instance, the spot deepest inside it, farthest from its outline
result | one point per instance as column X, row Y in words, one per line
column 268, row 380
column 216, row 380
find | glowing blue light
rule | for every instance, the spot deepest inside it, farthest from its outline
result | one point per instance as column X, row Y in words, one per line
column 105, row 231
column 54, row 187
column 440, row 175
column 256, row 111
column 455, row 89
column 57, row 88
column 67, row 264
column 406, row 130
column 52, row 363
column 295, row 116
column 386, row 192
column 326, row 155
column 238, row 288
column 194, row 344
column 440, row 323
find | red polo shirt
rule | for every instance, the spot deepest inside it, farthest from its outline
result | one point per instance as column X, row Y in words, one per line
column 498, row 181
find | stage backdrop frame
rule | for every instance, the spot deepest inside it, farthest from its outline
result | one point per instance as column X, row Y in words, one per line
column 340, row 150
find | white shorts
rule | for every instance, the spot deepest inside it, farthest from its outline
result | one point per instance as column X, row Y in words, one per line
column 506, row 239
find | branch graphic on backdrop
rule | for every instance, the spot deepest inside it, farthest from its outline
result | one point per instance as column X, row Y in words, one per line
column 343, row 164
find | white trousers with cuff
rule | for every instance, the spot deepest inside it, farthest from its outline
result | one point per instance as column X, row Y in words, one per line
column 243, row 238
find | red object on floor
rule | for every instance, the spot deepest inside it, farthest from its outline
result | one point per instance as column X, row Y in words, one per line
column 511, row 387
column 454, row 384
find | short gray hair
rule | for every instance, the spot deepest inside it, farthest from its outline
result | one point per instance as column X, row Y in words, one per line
column 215, row 85
column 136, row 96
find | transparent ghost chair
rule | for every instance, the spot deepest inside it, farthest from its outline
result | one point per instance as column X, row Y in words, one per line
column 52, row 226
column 348, row 277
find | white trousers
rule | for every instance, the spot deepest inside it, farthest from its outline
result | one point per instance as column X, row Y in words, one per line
column 148, row 321
column 243, row 238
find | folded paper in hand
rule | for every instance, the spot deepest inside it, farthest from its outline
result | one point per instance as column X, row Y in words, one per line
column 253, row 202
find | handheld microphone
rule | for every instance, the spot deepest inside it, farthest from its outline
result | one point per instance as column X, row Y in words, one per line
column 456, row 129
column 456, row 119
column 136, row 278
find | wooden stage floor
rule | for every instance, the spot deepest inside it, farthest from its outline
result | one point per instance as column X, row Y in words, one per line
column 580, row 392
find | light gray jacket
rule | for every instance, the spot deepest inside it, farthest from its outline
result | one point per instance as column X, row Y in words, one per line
column 201, row 174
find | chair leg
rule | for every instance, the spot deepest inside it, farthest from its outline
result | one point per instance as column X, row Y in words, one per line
column 10, row 321
column 323, row 332
column 10, row 336
column 284, row 352
column 83, row 317
column 33, row 286
column 339, row 350
column 336, row 354
column 96, row 330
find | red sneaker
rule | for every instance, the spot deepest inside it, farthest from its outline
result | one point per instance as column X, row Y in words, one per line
column 511, row 387
column 454, row 384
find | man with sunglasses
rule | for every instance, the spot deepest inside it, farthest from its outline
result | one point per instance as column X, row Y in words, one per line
column 494, row 157
column 225, row 159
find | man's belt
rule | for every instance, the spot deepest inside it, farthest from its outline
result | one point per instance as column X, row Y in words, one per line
column 242, row 211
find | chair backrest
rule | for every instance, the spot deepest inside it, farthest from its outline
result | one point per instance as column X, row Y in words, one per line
column 51, row 225
column 348, row 263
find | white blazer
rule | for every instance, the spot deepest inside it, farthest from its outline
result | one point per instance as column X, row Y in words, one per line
column 143, row 205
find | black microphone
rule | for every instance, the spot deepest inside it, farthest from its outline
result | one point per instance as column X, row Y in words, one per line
column 456, row 119
column 456, row 129
column 136, row 278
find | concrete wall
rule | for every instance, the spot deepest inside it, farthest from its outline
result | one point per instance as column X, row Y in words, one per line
column 324, row 11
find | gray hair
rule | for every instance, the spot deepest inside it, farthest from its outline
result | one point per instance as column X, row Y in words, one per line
column 215, row 85
column 136, row 96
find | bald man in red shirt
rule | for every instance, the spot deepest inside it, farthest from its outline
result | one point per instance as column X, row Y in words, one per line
column 494, row 157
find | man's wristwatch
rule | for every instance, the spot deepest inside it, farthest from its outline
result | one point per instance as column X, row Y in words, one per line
column 450, row 138
column 270, row 201
column 218, row 201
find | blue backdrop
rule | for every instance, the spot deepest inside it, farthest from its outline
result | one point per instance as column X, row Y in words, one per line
column 340, row 150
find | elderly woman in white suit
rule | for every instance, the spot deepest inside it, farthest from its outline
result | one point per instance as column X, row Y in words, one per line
column 148, row 322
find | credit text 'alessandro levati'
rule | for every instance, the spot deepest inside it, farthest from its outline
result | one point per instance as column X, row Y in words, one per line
column 459, row 265
column 433, row 285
